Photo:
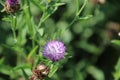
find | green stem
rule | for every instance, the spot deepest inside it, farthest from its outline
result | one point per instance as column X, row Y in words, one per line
column 29, row 22
column 13, row 25
column 33, row 42
column 43, row 18
column 28, row 3
column 72, row 22
column 77, row 14
column 77, row 6
column 40, row 23
column 81, row 9
column 14, row 34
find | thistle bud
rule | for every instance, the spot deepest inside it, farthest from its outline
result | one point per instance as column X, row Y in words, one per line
column 12, row 6
column 40, row 72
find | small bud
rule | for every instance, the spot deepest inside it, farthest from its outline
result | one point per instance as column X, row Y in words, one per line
column 12, row 6
column 40, row 72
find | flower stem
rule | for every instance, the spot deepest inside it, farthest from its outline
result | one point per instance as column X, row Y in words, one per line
column 13, row 26
column 78, row 12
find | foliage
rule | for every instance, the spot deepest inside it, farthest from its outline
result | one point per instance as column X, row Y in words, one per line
column 93, row 47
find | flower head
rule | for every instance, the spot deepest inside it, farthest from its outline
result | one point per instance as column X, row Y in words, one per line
column 13, row 2
column 54, row 50
column 12, row 6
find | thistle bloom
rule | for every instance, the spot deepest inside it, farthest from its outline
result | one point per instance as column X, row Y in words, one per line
column 54, row 50
column 12, row 6
column 13, row 2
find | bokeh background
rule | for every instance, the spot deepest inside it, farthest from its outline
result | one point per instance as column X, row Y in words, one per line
column 92, row 55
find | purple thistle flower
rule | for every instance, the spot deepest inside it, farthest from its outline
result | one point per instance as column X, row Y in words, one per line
column 13, row 2
column 12, row 6
column 54, row 50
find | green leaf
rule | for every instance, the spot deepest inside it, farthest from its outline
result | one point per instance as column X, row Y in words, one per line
column 1, row 2
column 117, row 67
column 53, row 68
column 81, row 9
column 77, row 6
column 5, row 69
column 37, row 3
column 1, row 60
column 25, row 7
column 32, row 52
column 59, row 4
column 21, row 66
column 7, row 19
column 41, row 31
column 3, row 10
column 25, row 74
column 117, row 42
column 86, row 17
column 29, row 19
column 96, row 73
column 13, row 22
column 46, row 14
column 116, row 74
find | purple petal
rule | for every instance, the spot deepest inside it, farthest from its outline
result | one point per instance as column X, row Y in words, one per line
column 54, row 50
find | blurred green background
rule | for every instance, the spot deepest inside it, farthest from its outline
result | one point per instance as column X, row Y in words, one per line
column 92, row 55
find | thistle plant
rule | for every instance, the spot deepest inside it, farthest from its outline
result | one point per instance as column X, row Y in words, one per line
column 38, row 49
column 59, row 40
